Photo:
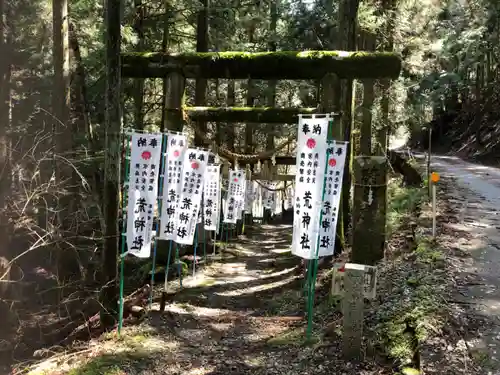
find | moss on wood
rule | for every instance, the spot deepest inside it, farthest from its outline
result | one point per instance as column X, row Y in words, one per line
column 263, row 65
column 247, row 114
column 368, row 213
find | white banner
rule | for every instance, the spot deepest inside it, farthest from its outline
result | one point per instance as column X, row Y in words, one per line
column 176, row 148
column 211, row 197
column 200, row 212
column 331, row 201
column 309, row 180
column 268, row 195
column 145, row 156
column 257, row 207
column 277, row 202
column 235, row 196
column 224, row 185
column 289, row 198
column 186, row 214
column 250, row 196
column 240, row 204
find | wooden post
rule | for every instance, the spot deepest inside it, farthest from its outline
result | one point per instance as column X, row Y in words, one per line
column 112, row 165
column 173, row 121
column 352, row 309
column 175, row 93
column 433, row 210
column 429, row 161
column 433, row 180
column 369, row 178
column 330, row 103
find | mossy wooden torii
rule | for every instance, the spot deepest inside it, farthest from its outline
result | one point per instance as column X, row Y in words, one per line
column 329, row 66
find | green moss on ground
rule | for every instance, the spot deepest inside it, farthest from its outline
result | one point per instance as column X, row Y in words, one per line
column 403, row 204
column 114, row 355
column 412, row 304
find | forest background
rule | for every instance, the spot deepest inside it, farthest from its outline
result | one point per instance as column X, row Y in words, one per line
column 53, row 81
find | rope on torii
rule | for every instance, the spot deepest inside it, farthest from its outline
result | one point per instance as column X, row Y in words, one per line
column 270, row 189
column 246, row 158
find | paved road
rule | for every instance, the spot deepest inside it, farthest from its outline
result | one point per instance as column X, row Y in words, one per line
column 477, row 197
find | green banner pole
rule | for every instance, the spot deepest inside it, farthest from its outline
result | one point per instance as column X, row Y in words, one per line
column 179, row 267
column 204, row 244
column 158, row 226
column 314, row 265
column 195, row 248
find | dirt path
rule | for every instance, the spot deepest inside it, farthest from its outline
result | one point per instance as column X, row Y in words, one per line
column 475, row 196
column 242, row 314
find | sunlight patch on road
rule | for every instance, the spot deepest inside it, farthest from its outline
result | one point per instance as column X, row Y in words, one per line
column 254, row 360
column 282, row 250
column 188, row 309
column 490, row 306
column 245, row 278
column 221, row 326
column 201, row 370
column 233, row 268
column 258, row 288
column 241, row 249
column 267, row 260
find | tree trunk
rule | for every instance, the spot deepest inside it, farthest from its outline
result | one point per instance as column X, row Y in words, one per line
column 201, row 84
column 231, row 99
column 346, row 36
column 389, row 7
column 112, row 163
column 164, row 49
column 249, row 127
column 218, row 135
column 5, row 125
column 61, row 95
column 139, row 82
column 477, row 117
column 65, row 176
column 270, row 96
column 83, row 112
column 271, row 90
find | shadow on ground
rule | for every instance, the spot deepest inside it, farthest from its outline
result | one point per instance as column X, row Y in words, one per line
column 242, row 314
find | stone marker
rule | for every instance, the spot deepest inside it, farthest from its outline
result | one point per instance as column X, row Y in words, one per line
column 370, row 281
column 352, row 309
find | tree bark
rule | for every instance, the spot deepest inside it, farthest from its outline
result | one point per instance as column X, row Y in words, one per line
column 139, row 82
column 231, row 100
column 112, row 163
column 249, row 126
column 478, row 87
column 83, row 112
column 61, row 95
column 201, row 84
column 164, row 49
column 346, row 36
column 5, row 124
column 389, row 8
column 63, row 130
column 271, row 90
